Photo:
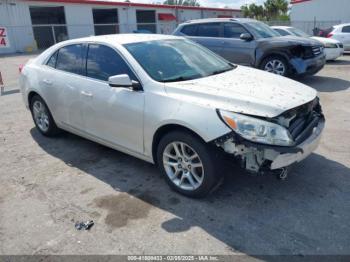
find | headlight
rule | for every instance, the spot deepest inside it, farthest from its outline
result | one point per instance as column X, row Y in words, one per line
column 257, row 130
column 330, row 45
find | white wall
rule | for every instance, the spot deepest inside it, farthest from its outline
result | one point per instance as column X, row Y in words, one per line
column 322, row 10
column 79, row 20
column 15, row 16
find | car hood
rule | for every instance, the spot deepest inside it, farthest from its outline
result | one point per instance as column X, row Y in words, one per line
column 324, row 40
column 290, row 40
column 244, row 90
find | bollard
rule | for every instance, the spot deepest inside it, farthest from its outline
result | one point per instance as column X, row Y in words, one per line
column 1, row 84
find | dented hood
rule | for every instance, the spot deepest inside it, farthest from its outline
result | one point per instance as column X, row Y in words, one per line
column 244, row 90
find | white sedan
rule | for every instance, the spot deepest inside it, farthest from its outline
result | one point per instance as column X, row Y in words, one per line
column 333, row 48
column 174, row 103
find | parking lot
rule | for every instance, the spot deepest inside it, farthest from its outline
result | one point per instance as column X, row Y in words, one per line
column 46, row 185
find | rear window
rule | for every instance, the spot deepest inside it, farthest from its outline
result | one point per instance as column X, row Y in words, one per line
column 281, row 32
column 346, row 29
column 209, row 30
column 189, row 30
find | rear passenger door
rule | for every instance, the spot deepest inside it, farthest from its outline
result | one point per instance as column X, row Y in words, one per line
column 64, row 84
column 207, row 34
column 237, row 50
column 113, row 115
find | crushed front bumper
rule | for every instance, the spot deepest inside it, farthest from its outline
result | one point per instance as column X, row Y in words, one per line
column 261, row 158
column 306, row 148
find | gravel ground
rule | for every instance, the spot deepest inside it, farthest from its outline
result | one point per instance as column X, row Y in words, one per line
column 48, row 184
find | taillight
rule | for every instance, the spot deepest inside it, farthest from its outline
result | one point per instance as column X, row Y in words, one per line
column 20, row 68
column 329, row 35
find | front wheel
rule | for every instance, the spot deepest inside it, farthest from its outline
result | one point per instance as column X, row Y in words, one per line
column 189, row 165
column 276, row 65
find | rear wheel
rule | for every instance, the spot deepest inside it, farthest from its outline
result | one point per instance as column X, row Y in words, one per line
column 189, row 165
column 276, row 65
column 42, row 117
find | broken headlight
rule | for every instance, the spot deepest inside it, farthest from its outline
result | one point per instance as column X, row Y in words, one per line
column 257, row 130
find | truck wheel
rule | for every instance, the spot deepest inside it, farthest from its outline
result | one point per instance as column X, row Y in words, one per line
column 188, row 164
column 276, row 65
column 42, row 117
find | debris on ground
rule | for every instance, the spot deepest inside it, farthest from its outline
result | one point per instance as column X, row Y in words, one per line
column 84, row 225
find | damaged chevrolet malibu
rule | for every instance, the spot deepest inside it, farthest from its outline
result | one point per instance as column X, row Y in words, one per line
column 174, row 103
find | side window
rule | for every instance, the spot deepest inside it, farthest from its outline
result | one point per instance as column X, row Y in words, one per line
column 69, row 59
column 232, row 30
column 52, row 61
column 189, row 30
column 103, row 62
column 346, row 29
column 209, row 30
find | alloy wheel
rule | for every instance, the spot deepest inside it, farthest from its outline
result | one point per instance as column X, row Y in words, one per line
column 183, row 165
column 41, row 116
column 275, row 66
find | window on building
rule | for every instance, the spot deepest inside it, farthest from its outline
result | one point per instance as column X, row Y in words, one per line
column 190, row 30
column 105, row 21
column 232, row 30
column 103, row 62
column 47, row 15
column 346, row 29
column 146, row 21
column 209, row 30
column 48, row 25
column 69, row 59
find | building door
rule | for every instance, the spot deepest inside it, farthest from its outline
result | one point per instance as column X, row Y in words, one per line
column 146, row 21
column 49, row 25
column 105, row 21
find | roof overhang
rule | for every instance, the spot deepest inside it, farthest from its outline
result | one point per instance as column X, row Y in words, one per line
column 166, row 17
column 293, row 2
column 115, row 3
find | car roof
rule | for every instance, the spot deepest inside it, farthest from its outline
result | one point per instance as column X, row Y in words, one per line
column 341, row 25
column 211, row 20
column 124, row 38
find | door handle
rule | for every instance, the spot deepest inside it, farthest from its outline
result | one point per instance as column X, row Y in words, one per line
column 86, row 94
column 48, row 82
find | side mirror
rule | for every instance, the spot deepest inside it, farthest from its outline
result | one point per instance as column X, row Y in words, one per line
column 246, row 37
column 124, row 81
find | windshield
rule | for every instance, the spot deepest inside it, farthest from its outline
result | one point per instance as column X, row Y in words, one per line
column 261, row 30
column 176, row 60
column 298, row 32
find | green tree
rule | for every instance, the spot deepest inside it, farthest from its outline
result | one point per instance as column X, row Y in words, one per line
column 182, row 2
column 272, row 9
column 275, row 8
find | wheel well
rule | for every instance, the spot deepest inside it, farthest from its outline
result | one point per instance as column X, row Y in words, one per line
column 30, row 96
column 167, row 129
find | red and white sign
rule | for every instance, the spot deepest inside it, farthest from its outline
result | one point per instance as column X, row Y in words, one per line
column 4, row 40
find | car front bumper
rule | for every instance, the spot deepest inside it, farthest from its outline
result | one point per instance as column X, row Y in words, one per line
column 256, row 157
column 304, row 149
column 308, row 66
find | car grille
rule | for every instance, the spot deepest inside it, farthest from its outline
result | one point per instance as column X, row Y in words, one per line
column 304, row 119
column 317, row 50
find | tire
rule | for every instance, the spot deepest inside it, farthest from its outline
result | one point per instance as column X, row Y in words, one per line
column 42, row 117
column 275, row 64
column 203, row 170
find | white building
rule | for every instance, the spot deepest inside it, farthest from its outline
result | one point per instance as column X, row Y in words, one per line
column 38, row 24
column 308, row 14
